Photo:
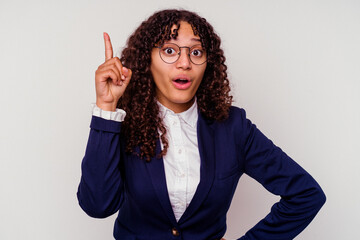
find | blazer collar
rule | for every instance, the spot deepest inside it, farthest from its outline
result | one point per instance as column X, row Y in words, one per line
column 206, row 145
column 157, row 174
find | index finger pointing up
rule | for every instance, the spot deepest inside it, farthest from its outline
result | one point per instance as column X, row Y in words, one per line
column 108, row 47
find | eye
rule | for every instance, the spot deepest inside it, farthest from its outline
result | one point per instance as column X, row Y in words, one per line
column 169, row 51
column 197, row 52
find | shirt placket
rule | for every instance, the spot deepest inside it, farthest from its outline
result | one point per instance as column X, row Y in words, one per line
column 181, row 172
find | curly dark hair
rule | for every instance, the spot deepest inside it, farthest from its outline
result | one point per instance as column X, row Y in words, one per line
column 141, row 124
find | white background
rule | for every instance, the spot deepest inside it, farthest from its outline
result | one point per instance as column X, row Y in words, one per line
column 294, row 66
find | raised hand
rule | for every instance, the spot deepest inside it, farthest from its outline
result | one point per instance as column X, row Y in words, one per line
column 111, row 79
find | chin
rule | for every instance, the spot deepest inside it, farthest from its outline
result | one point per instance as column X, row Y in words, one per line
column 182, row 99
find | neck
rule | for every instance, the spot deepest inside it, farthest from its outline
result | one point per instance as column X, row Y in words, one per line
column 178, row 107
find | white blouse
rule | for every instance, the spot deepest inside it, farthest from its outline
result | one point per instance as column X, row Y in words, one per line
column 182, row 160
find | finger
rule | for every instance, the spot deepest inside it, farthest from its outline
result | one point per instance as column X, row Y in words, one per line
column 118, row 65
column 110, row 74
column 113, row 66
column 117, row 72
column 114, row 69
column 114, row 61
column 108, row 47
column 127, row 73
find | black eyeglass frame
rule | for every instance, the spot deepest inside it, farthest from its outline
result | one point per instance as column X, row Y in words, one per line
column 179, row 54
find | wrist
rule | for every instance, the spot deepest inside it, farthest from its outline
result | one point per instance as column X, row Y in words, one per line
column 106, row 106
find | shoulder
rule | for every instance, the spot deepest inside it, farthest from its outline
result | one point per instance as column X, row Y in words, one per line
column 236, row 116
column 235, row 127
column 236, row 112
column 235, row 123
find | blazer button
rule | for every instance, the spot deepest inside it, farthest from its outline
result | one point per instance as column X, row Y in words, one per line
column 175, row 232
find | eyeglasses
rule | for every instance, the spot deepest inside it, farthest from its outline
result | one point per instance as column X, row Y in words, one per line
column 170, row 53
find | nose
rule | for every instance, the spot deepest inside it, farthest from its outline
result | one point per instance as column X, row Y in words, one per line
column 184, row 59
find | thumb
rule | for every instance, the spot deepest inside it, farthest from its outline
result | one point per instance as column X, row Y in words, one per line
column 126, row 74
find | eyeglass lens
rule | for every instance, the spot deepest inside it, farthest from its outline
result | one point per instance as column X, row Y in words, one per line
column 170, row 53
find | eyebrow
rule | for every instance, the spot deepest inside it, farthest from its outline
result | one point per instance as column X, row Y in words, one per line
column 192, row 39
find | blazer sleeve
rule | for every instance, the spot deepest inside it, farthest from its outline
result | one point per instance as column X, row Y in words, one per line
column 301, row 196
column 100, row 191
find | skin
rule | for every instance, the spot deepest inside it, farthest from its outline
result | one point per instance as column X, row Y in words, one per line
column 178, row 100
column 111, row 79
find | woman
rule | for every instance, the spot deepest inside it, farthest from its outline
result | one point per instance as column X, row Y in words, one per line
column 166, row 148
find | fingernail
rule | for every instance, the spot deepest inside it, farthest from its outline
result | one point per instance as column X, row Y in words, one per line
column 125, row 70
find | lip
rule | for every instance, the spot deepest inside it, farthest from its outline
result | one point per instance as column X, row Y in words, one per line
column 181, row 86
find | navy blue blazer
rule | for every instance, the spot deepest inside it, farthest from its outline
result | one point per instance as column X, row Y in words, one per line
column 113, row 180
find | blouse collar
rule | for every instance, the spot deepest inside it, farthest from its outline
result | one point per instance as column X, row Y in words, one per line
column 190, row 116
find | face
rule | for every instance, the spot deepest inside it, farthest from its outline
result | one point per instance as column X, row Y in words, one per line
column 177, row 83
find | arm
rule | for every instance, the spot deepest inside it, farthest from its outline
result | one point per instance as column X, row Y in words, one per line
column 100, row 191
column 301, row 196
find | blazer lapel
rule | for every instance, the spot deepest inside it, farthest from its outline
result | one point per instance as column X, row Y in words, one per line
column 207, row 167
column 157, row 174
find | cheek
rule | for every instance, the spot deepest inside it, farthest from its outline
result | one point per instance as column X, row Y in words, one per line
column 159, row 74
column 157, row 68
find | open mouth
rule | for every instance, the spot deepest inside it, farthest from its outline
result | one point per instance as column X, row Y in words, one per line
column 181, row 81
